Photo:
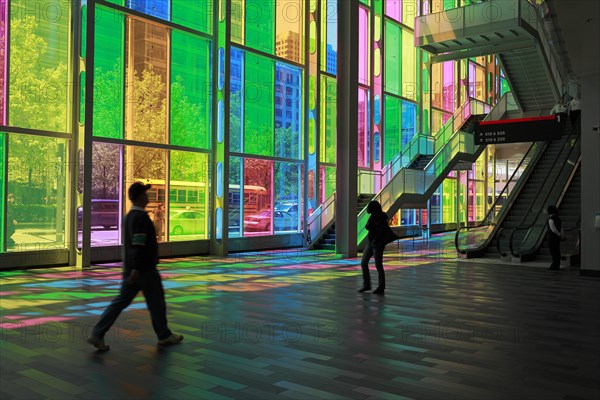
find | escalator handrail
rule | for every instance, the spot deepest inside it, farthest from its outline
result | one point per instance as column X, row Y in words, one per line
column 529, row 211
column 506, row 205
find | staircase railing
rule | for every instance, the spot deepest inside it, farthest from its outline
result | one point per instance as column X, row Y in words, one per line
column 473, row 238
column 372, row 181
column 421, row 145
column 420, row 182
column 530, row 14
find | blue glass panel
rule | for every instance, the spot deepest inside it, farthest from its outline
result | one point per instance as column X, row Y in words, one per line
column 288, row 110
column 376, row 147
column 409, row 121
column 219, row 179
column 221, row 68
column 219, row 223
column 236, row 119
column 377, row 114
column 156, row 8
column 220, row 127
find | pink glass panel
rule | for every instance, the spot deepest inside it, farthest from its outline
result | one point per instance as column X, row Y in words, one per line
column 448, row 86
column 393, row 9
column 363, row 46
column 363, row 128
column 3, row 53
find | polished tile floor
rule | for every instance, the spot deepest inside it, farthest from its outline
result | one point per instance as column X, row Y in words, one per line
column 290, row 324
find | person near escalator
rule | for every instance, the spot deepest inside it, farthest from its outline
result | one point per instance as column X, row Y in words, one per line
column 554, row 237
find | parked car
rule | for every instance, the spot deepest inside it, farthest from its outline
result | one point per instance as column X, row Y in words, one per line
column 105, row 213
column 261, row 222
column 288, row 207
column 186, row 222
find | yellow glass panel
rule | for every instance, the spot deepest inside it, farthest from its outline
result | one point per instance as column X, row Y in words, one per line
column 377, row 62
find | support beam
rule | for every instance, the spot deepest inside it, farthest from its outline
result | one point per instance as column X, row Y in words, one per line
column 347, row 129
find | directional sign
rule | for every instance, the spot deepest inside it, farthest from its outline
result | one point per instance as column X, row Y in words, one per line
column 518, row 130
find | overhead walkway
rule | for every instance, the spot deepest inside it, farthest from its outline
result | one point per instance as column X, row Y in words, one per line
column 510, row 29
column 515, row 229
column 398, row 185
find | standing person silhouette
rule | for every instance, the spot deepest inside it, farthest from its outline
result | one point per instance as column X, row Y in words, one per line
column 554, row 236
column 159, row 218
column 380, row 234
column 11, row 222
column 139, row 273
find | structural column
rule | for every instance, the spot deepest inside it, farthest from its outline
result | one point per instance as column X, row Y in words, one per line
column 590, row 189
column 347, row 129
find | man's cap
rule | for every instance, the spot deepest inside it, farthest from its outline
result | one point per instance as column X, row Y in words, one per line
column 136, row 189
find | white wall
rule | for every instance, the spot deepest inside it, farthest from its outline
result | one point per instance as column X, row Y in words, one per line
column 590, row 172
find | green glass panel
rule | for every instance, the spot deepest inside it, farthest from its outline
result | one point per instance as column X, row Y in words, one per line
column 449, row 201
column 196, row 14
column 391, row 121
column 449, row 4
column 328, row 120
column 81, row 97
column 38, row 70
column 109, row 74
column 259, row 105
column 83, row 31
column 393, row 57
column 329, row 182
column 188, row 196
column 260, row 29
column 190, row 94
column 36, row 187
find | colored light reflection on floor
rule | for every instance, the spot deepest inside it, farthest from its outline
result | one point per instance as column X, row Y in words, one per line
column 35, row 297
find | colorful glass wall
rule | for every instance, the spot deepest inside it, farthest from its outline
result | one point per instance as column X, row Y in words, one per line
column 156, row 114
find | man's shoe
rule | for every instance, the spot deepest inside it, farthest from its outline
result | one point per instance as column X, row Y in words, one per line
column 553, row 268
column 173, row 339
column 378, row 291
column 364, row 289
column 98, row 343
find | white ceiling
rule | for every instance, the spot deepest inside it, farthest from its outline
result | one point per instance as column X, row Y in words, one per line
column 577, row 24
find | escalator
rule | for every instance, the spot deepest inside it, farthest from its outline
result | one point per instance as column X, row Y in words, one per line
column 492, row 236
column 525, row 240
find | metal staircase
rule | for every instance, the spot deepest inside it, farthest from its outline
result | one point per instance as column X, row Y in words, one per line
column 513, row 31
column 327, row 240
column 397, row 184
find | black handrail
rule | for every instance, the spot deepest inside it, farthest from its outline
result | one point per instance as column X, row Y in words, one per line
column 508, row 202
column 529, row 210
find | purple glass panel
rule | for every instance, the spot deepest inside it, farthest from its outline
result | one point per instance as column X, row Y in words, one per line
column 448, row 91
column 363, row 46
column 363, row 128
column 3, row 53
column 393, row 9
column 472, row 79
